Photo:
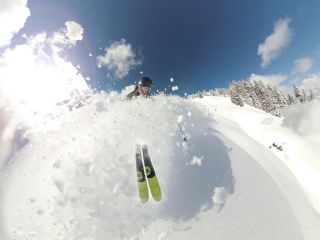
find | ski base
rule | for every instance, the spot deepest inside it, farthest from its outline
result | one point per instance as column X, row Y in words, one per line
column 151, row 175
column 146, row 175
column 141, row 178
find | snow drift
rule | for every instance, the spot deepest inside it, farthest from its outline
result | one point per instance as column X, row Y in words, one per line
column 75, row 177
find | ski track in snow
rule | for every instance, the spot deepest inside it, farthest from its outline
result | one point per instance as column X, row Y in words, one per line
column 76, row 179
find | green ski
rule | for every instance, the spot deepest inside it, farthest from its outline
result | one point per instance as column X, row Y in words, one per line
column 151, row 175
column 141, row 177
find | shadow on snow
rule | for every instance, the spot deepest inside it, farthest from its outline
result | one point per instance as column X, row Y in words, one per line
column 191, row 186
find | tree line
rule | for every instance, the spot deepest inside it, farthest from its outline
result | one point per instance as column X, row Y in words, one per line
column 263, row 96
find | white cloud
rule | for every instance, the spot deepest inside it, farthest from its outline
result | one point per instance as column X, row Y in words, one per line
column 119, row 58
column 275, row 80
column 302, row 65
column 271, row 48
column 13, row 15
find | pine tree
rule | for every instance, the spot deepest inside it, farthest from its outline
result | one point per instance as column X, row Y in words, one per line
column 223, row 92
column 311, row 96
column 264, row 95
column 200, row 94
column 284, row 98
column 245, row 91
column 276, row 99
column 304, row 97
column 258, row 92
column 290, row 99
column 235, row 94
column 297, row 94
column 253, row 98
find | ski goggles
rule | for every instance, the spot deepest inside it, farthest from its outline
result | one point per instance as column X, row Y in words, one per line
column 145, row 90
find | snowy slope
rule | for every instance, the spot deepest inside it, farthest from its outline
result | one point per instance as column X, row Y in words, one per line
column 297, row 133
column 75, row 179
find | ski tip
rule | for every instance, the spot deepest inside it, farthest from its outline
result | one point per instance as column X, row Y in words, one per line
column 143, row 200
column 157, row 198
column 144, row 197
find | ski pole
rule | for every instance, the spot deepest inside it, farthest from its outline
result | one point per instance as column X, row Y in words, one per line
column 183, row 135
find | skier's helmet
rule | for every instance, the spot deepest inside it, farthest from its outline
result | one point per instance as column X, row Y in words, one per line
column 144, row 86
column 145, row 82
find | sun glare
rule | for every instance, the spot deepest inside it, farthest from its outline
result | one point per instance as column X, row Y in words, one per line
column 33, row 83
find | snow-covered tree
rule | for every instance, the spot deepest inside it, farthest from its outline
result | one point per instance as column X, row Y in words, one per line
column 200, row 94
column 297, row 94
column 251, row 96
column 311, row 95
column 235, row 94
column 304, row 97
column 223, row 92
column 265, row 97
column 290, row 99
column 276, row 99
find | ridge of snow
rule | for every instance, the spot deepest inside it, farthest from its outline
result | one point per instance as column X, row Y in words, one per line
column 300, row 153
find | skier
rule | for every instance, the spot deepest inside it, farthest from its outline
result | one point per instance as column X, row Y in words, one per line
column 144, row 167
column 143, row 88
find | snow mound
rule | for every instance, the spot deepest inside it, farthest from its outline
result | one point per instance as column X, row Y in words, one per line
column 79, row 174
column 76, row 178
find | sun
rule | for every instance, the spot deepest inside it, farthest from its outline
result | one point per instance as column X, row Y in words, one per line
column 33, row 80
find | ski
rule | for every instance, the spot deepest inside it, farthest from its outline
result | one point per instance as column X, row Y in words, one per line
column 151, row 175
column 141, row 177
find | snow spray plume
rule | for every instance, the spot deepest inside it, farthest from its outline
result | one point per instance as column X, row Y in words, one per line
column 6, row 143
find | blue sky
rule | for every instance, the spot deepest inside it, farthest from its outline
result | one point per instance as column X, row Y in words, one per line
column 202, row 44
